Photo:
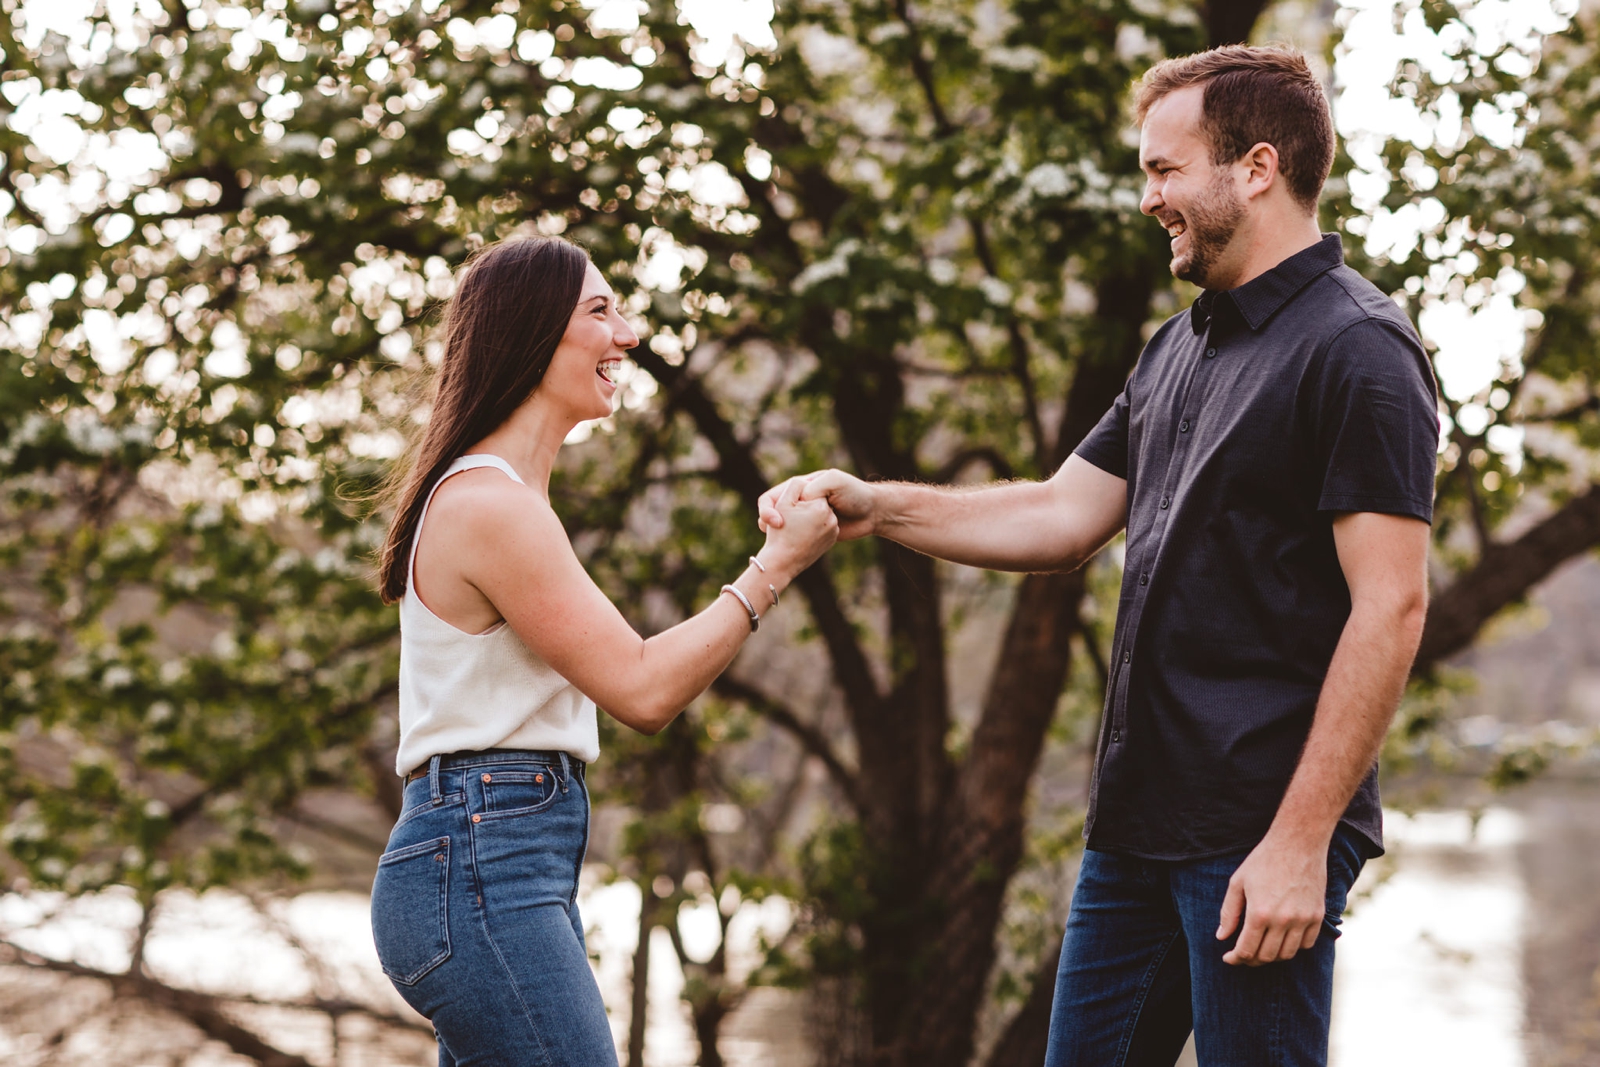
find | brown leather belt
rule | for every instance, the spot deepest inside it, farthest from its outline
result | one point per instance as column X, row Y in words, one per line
column 540, row 756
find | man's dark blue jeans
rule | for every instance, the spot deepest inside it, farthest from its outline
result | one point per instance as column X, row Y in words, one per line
column 1141, row 966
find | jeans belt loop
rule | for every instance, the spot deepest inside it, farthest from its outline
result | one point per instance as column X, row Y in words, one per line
column 566, row 771
column 433, row 779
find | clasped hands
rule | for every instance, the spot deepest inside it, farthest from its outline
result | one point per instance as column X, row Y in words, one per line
column 803, row 516
column 850, row 499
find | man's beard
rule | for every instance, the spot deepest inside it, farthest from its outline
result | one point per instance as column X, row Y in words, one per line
column 1211, row 223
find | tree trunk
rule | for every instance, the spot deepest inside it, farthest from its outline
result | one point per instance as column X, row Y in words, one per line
column 983, row 835
column 1503, row 575
column 640, row 979
column 1022, row 1043
column 1230, row 21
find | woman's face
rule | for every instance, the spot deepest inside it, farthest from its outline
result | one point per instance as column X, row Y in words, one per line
column 582, row 374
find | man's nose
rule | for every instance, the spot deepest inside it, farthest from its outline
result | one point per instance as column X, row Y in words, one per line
column 1151, row 202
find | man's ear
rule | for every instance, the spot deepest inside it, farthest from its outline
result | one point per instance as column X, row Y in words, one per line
column 1261, row 169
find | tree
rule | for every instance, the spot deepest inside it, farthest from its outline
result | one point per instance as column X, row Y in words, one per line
column 1478, row 216
column 902, row 238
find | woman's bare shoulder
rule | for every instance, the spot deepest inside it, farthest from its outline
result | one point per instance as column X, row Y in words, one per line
column 486, row 500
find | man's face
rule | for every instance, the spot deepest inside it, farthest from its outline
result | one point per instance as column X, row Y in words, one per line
column 1195, row 199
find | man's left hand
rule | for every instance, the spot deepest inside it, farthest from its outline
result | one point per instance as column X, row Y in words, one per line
column 1279, row 889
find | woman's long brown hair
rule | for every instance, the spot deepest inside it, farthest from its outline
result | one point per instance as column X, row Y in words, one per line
column 512, row 305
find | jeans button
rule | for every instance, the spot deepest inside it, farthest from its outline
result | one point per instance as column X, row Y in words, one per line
column 477, row 818
column 486, row 777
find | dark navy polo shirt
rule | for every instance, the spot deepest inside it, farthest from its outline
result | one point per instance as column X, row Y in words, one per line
column 1250, row 423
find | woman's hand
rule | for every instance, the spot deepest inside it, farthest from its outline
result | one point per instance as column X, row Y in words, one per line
column 854, row 502
column 809, row 528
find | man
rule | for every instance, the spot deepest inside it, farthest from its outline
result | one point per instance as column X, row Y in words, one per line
column 1272, row 458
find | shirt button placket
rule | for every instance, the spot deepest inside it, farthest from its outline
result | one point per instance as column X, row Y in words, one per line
column 1116, row 731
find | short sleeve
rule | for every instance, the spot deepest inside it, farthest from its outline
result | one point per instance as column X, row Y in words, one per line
column 1375, row 413
column 1106, row 446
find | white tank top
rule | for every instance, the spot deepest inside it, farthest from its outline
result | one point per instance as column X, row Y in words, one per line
column 462, row 692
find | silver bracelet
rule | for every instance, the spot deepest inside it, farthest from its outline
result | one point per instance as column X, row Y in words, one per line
column 770, row 587
column 755, row 620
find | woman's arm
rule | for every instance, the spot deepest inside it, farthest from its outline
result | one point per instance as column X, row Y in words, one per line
column 523, row 562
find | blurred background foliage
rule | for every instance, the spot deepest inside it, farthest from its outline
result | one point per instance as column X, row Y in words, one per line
column 902, row 239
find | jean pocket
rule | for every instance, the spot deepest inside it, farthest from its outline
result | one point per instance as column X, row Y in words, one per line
column 410, row 910
column 518, row 792
column 1344, row 867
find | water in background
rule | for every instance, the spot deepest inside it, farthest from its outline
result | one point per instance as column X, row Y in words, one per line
column 1429, row 964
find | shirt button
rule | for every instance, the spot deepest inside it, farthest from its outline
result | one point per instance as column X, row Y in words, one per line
column 1116, row 735
column 1211, row 353
column 1183, row 427
column 1126, row 656
column 1165, row 501
column 1144, row 579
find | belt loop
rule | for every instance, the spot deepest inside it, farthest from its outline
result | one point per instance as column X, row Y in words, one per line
column 433, row 779
column 566, row 771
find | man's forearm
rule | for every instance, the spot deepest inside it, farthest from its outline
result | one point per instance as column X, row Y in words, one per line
column 1359, row 696
column 1014, row 526
column 1005, row 527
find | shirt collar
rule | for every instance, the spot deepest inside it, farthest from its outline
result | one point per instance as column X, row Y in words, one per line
column 1259, row 298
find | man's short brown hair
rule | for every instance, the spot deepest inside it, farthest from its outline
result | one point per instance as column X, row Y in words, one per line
column 1255, row 95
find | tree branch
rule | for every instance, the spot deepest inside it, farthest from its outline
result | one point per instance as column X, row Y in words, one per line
column 1021, row 356
column 811, row 739
column 1480, row 521
column 922, row 70
column 1503, row 575
column 153, row 989
column 959, row 462
column 738, row 471
column 206, row 1012
column 1573, row 413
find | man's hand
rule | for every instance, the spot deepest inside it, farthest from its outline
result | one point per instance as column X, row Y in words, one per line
column 1280, row 889
column 851, row 499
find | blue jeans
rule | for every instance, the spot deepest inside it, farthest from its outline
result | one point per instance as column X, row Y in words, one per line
column 1141, row 966
column 474, row 911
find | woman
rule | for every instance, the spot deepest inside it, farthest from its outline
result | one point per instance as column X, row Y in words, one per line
column 506, row 646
